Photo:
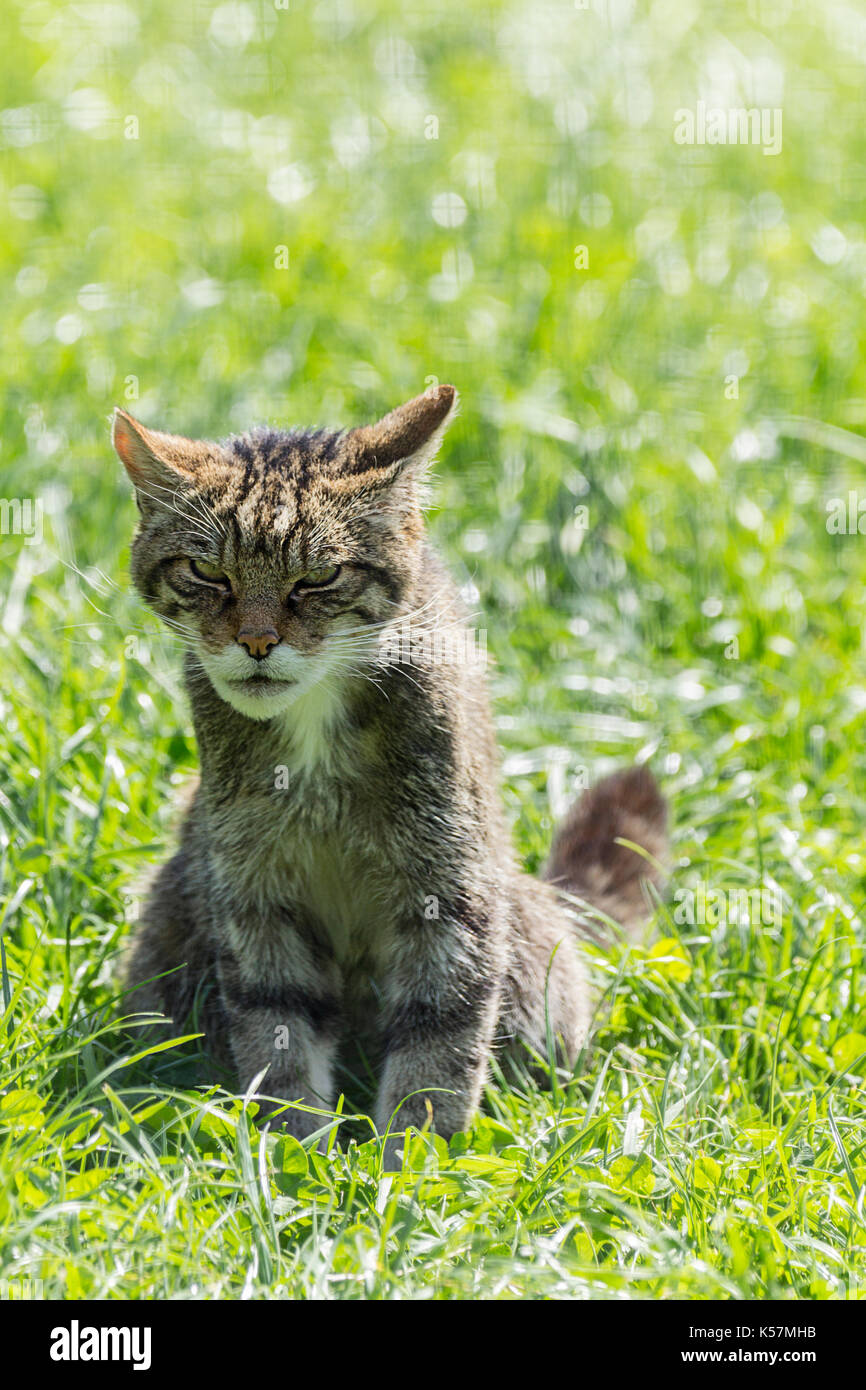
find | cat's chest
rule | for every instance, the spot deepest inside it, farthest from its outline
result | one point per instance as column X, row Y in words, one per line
column 274, row 825
column 328, row 884
column 304, row 833
column 348, row 895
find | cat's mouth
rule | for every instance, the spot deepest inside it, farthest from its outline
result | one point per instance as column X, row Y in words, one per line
column 260, row 681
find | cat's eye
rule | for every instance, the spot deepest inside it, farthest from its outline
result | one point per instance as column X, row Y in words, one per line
column 203, row 569
column 318, row 578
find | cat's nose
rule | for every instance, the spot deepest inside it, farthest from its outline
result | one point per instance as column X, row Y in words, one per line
column 258, row 644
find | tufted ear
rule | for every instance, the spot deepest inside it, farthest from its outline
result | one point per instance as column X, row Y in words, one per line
column 156, row 463
column 404, row 440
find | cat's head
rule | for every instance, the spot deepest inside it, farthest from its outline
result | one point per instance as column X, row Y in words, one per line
column 280, row 556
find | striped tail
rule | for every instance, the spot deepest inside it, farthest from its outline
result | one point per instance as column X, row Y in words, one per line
column 586, row 860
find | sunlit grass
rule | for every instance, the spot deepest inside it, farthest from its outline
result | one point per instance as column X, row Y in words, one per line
column 645, row 544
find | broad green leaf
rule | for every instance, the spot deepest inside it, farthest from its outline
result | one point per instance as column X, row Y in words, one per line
column 847, row 1049
column 632, row 1175
column 668, row 960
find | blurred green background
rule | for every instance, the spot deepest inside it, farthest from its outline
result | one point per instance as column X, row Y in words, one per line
column 217, row 215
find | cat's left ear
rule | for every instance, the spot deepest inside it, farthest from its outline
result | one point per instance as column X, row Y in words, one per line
column 156, row 462
column 403, row 443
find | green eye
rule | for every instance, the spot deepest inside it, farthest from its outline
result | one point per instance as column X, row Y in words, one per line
column 318, row 578
column 203, row 569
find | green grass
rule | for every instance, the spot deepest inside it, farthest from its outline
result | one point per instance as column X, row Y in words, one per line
column 699, row 613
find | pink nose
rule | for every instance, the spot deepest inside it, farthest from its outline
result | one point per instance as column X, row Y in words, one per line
column 258, row 644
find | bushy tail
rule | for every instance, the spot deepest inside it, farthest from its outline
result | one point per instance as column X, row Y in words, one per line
column 586, row 860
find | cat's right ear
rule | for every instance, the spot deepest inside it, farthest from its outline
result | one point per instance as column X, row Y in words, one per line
column 404, row 442
column 156, row 463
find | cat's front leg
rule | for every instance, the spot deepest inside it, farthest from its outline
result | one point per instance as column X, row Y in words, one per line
column 282, row 1014
column 441, row 1006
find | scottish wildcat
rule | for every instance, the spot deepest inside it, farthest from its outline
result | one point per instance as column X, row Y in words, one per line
column 343, row 866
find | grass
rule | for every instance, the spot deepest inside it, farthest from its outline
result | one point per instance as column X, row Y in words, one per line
column 635, row 507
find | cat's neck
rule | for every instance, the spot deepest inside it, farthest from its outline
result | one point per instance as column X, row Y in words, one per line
column 315, row 731
column 310, row 736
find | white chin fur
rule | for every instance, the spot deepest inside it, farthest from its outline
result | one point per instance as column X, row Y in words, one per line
column 255, row 706
column 230, row 669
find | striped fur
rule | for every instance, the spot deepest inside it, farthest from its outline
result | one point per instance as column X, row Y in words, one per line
column 344, row 868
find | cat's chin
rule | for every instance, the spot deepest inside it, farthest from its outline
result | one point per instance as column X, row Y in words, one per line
column 266, row 694
column 256, row 700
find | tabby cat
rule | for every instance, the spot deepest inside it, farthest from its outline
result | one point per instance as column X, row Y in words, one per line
column 344, row 871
